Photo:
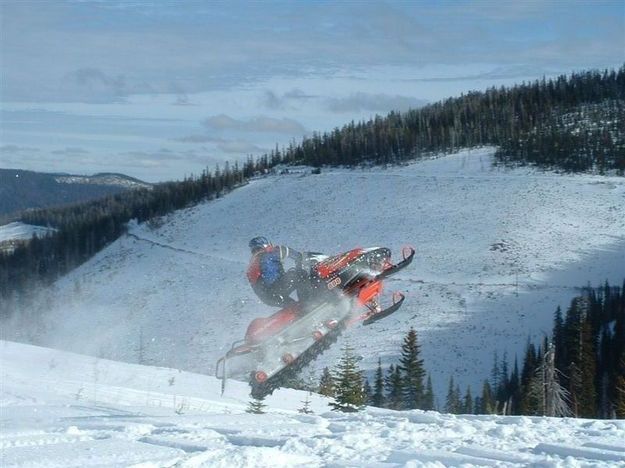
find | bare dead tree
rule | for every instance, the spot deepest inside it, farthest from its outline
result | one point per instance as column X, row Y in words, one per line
column 554, row 399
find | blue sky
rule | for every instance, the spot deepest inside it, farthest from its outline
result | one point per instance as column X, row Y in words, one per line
column 161, row 89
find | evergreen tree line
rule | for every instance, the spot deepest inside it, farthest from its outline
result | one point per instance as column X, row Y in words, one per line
column 402, row 386
column 570, row 122
column 590, row 137
column 82, row 230
column 579, row 371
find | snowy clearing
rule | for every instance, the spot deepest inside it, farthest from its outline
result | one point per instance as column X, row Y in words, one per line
column 21, row 231
column 497, row 251
column 67, row 410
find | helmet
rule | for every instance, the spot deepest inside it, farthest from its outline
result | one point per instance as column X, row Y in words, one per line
column 259, row 243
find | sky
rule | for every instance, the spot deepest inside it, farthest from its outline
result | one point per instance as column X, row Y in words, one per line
column 161, row 90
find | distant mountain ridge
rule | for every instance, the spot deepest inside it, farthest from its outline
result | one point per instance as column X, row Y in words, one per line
column 21, row 190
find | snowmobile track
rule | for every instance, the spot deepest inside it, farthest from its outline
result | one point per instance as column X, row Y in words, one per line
column 261, row 390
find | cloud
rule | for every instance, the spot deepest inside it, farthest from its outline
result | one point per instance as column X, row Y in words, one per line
column 235, row 146
column 17, row 149
column 94, row 85
column 274, row 101
column 93, row 76
column 239, row 147
column 511, row 72
column 38, row 159
column 505, row 11
column 257, row 124
column 297, row 93
column 158, row 165
column 71, row 152
column 92, row 52
column 91, row 84
column 164, row 157
column 182, row 100
column 357, row 102
column 195, row 139
column 162, row 153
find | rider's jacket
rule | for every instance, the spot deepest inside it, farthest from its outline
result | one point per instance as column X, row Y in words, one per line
column 266, row 265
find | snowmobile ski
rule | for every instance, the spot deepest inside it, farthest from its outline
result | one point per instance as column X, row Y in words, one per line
column 398, row 300
column 408, row 256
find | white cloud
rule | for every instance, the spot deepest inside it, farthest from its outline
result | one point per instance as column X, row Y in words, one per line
column 54, row 51
column 70, row 151
column 287, row 100
column 17, row 149
column 240, row 147
column 357, row 102
column 195, row 139
column 256, row 124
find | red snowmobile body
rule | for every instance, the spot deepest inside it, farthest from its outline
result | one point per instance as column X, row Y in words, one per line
column 342, row 290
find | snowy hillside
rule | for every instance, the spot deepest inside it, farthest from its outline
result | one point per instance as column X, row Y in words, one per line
column 20, row 231
column 119, row 180
column 66, row 410
column 497, row 251
column 15, row 233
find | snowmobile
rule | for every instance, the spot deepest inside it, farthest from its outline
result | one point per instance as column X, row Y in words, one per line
column 340, row 291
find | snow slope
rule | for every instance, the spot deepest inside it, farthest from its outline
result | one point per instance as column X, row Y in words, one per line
column 497, row 251
column 21, row 231
column 67, row 410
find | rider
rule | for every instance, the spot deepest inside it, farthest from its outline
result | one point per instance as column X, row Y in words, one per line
column 266, row 272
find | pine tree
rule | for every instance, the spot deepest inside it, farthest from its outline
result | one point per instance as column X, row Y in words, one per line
column 582, row 368
column 467, row 406
column 502, row 393
column 141, row 348
column 619, row 390
column 310, row 380
column 495, row 373
column 606, row 357
column 306, row 408
column 487, row 401
column 412, row 370
column 514, row 390
column 393, row 385
column 428, row 396
column 377, row 398
column 349, row 395
column 588, row 397
column 326, row 383
column 477, row 406
column 559, row 339
column 529, row 403
column 256, row 406
column 366, row 388
column 575, row 388
column 452, row 403
column 619, row 403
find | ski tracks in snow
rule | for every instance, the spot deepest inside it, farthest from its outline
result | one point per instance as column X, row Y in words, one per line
column 181, row 249
column 77, row 414
column 100, row 436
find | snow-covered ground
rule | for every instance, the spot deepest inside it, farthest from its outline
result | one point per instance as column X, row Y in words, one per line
column 497, row 251
column 21, row 231
column 67, row 410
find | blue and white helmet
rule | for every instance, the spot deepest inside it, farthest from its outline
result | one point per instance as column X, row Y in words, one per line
column 259, row 243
